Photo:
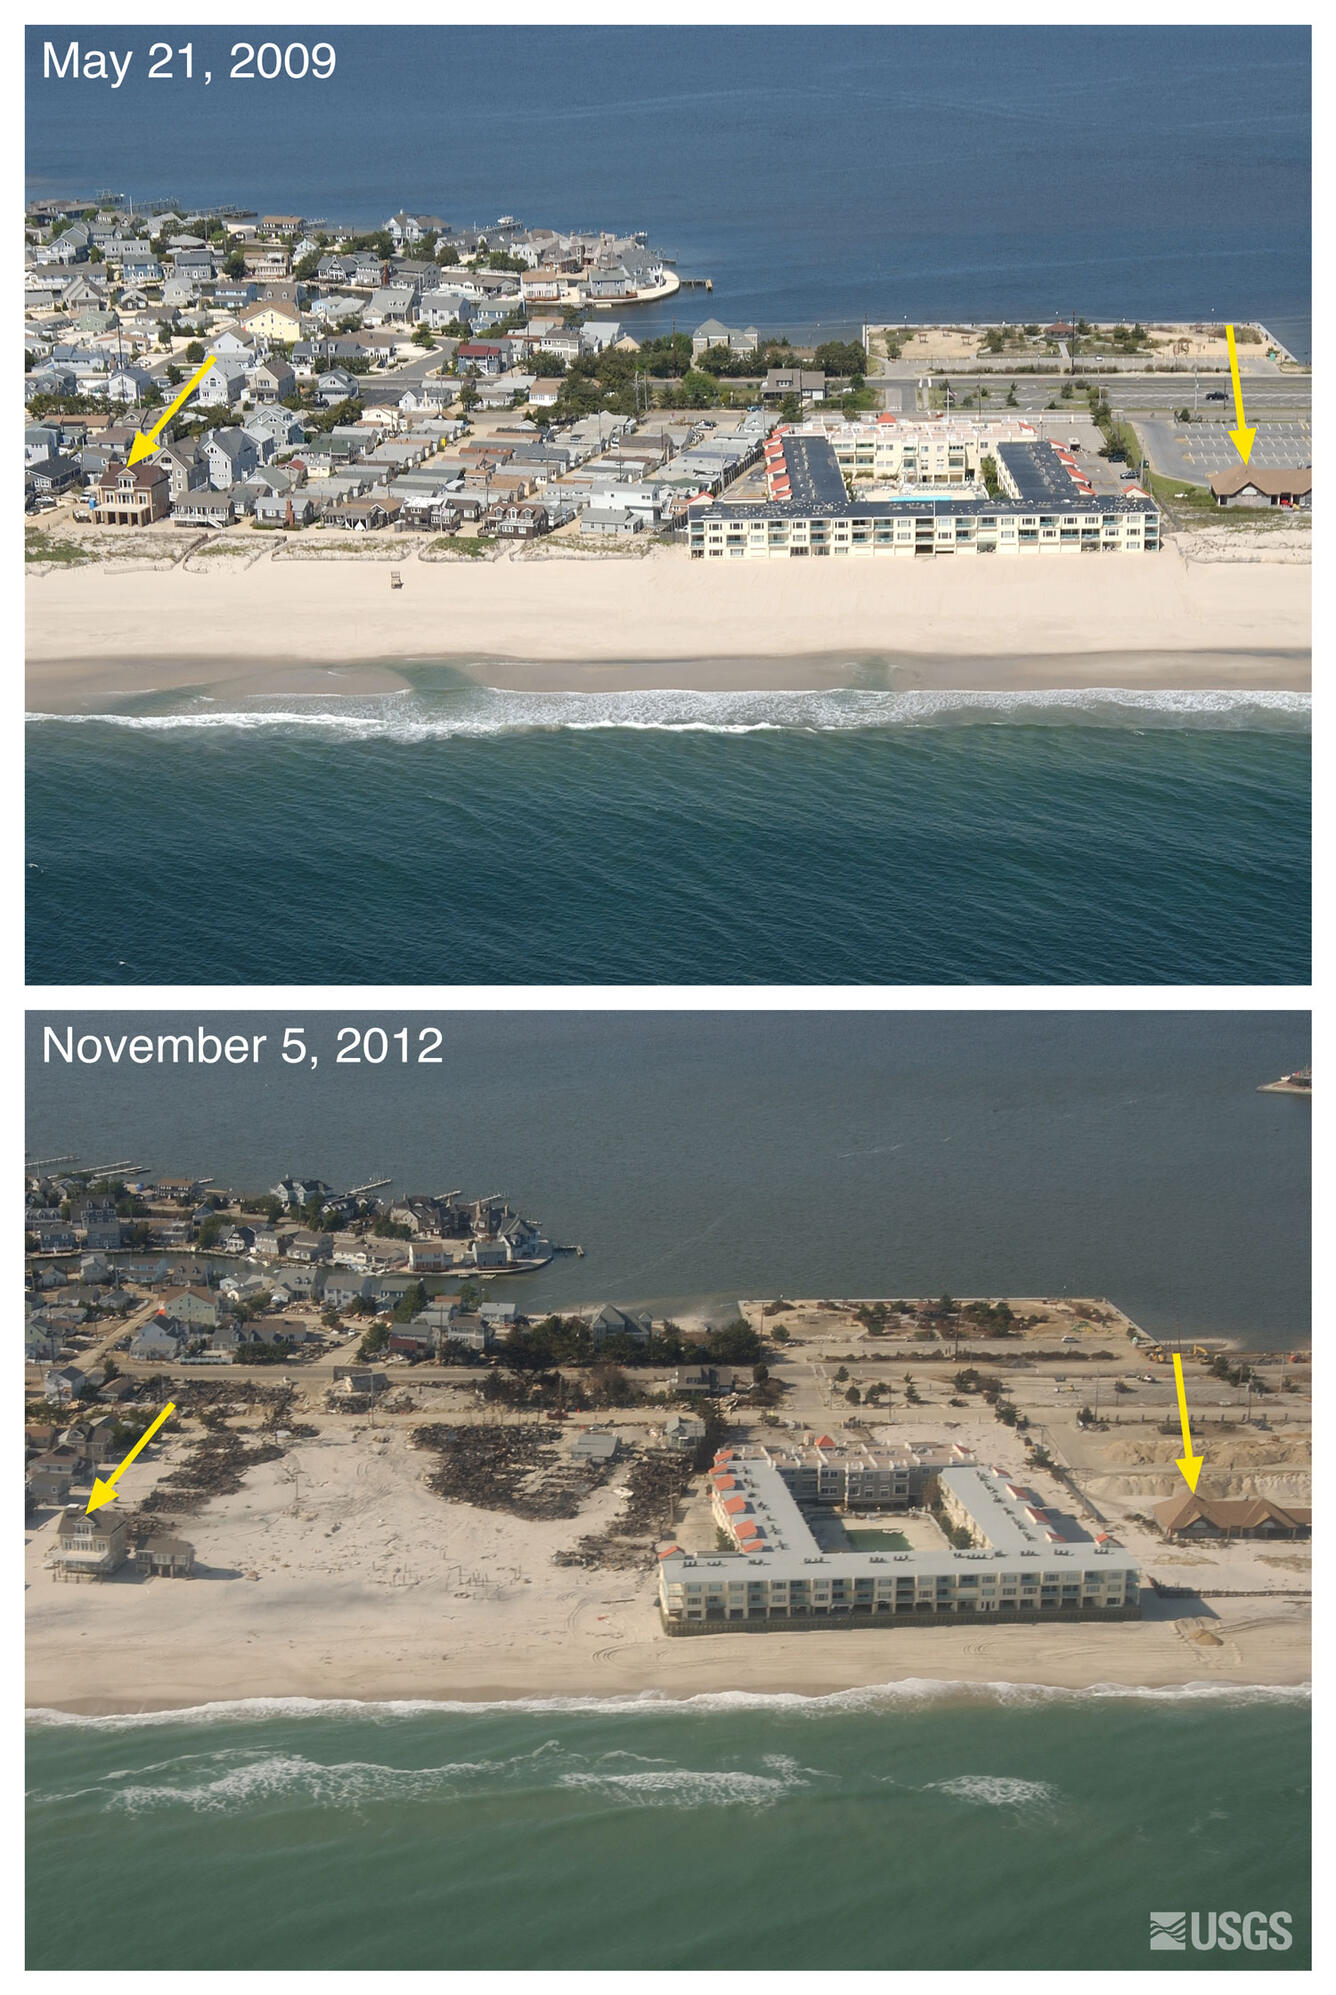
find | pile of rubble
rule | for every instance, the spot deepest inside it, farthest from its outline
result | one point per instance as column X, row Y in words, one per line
column 216, row 1467
column 508, row 1468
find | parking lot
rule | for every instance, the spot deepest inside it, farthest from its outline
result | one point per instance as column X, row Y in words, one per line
column 1193, row 452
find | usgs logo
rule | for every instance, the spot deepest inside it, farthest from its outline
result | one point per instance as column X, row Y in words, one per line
column 1227, row 1931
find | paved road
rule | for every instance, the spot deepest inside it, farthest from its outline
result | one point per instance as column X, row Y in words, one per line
column 1262, row 394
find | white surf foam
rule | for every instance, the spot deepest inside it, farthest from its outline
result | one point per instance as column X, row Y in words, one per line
column 888, row 1697
column 484, row 711
column 988, row 1790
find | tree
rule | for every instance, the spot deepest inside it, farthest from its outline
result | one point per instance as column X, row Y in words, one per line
column 840, row 356
column 376, row 1338
column 841, row 1375
column 699, row 390
column 1012, row 402
column 760, row 1373
column 470, row 1295
column 411, row 1303
column 853, row 1396
column 235, row 264
column 791, row 408
column 195, row 352
column 468, row 394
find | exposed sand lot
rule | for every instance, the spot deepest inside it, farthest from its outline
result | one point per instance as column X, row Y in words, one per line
column 369, row 1586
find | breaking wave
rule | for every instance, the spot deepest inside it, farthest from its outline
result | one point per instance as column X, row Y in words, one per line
column 909, row 1691
column 480, row 712
column 987, row 1790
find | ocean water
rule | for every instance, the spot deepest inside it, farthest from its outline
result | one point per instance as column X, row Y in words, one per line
column 453, row 834
column 820, row 176
column 700, row 1156
column 916, row 1826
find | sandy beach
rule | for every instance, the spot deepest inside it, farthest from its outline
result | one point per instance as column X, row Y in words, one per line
column 370, row 1587
column 304, row 627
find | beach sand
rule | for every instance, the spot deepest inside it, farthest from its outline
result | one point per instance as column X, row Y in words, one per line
column 303, row 627
column 373, row 1588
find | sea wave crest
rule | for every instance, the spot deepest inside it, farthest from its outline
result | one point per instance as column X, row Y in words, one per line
column 481, row 712
column 907, row 1691
column 989, row 1790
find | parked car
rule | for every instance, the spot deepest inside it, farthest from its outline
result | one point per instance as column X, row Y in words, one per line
column 1216, row 395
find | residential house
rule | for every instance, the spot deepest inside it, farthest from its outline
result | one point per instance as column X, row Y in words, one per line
column 808, row 384
column 393, row 304
column 194, row 1307
column 479, row 357
column 712, row 333
column 49, row 1484
column 336, row 385
column 361, row 515
column 206, row 508
column 273, row 318
column 225, row 383
column 273, row 381
column 64, row 1383
column 186, row 469
column 283, row 427
column 130, row 495
column 89, row 1547
column 265, row 261
column 443, row 307
column 611, row 1321
column 517, row 522
column 229, row 455
column 165, row 1558
column 592, row 1444
column 285, row 509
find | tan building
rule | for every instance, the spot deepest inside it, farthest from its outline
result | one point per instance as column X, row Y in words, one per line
column 131, row 495
column 1242, row 487
column 1189, row 1516
column 266, row 261
column 89, row 1547
column 273, row 318
column 165, row 1558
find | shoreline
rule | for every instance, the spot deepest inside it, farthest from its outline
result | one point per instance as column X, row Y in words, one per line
column 310, row 628
column 68, row 688
column 354, row 1651
column 907, row 1690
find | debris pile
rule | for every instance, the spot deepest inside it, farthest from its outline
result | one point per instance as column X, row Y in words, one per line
column 657, row 1482
column 518, row 1469
column 216, row 1467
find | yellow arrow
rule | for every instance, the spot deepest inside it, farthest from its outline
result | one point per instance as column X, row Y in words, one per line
column 105, row 1492
column 146, row 442
column 1242, row 436
column 1188, row 1462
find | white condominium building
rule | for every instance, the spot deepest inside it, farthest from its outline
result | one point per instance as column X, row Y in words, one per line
column 1019, row 1564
